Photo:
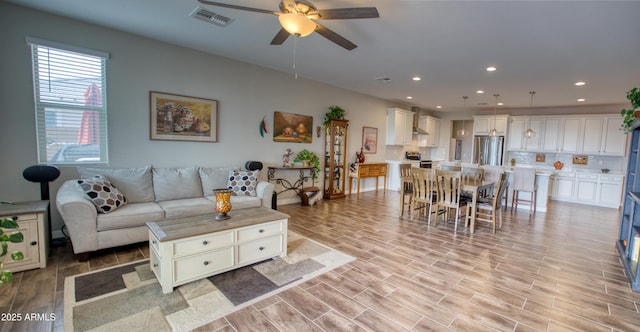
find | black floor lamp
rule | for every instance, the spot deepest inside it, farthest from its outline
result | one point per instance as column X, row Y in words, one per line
column 44, row 174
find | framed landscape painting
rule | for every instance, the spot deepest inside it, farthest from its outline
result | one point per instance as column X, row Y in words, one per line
column 369, row 140
column 292, row 128
column 183, row 118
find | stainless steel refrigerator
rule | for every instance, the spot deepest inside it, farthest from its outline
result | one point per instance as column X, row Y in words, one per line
column 488, row 150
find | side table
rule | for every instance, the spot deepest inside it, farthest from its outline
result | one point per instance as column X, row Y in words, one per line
column 31, row 216
column 297, row 186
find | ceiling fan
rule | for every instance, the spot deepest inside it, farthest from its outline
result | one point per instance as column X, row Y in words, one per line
column 298, row 18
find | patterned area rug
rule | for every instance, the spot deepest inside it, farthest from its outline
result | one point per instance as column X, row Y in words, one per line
column 129, row 298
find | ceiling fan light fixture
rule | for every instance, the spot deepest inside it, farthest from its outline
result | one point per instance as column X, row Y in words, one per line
column 296, row 24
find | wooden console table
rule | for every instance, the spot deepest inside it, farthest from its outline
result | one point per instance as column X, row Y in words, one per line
column 297, row 186
column 369, row 170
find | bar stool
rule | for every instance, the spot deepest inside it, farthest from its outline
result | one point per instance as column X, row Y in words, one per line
column 524, row 179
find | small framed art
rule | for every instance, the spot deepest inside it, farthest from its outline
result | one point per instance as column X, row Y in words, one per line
column 369, row 140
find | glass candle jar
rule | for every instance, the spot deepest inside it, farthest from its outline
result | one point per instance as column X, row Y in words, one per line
column 223, row 203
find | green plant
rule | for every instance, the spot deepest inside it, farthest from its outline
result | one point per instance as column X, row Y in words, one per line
column 13, row 237
column 627, row 114
column 335, row 112
column 313, row 159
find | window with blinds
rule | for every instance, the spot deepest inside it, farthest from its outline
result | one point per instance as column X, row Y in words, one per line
column 70, row 100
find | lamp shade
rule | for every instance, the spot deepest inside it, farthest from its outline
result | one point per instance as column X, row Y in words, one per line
column 296, row 24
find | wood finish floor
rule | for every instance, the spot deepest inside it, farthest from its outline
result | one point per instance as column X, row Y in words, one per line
column 557, row 271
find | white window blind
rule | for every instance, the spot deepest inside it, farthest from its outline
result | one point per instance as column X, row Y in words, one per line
column 71, row 107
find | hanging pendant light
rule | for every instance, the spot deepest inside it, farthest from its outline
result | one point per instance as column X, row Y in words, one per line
column 529, row 133
column 494, row 131
column 462, row 132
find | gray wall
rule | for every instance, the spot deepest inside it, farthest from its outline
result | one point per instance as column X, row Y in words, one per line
column 246, row 93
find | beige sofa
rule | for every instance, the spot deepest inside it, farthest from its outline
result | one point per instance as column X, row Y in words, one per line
column 152, row 194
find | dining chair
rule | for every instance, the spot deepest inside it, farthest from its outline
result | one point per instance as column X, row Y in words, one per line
column 448, row 189
column 471, row 174
column 423, row 194
column 489, row 209
column 524, row 180
column 406, row 187
column 492, row 173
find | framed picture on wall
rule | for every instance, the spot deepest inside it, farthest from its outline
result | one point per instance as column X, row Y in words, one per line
column 292, row 128
column 369, row 140
column 183, row 118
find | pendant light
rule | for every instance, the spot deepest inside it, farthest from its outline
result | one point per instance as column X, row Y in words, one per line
column 529, row 133
column 462, row 132
column 494, row 131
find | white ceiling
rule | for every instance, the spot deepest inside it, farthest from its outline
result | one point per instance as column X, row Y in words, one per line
column 544, row 46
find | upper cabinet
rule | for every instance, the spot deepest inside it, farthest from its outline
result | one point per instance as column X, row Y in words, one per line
column 432, row 126
column 399, row 126
column 588, row 134
column 483, row 124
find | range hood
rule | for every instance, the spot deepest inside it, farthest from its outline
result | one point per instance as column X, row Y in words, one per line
column 416, row 117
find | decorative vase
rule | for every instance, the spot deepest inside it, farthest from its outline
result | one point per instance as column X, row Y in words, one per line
column 558, row 165
column 223, row 203
column 360, row 157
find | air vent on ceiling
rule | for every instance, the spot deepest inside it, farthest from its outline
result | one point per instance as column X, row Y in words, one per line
column 383, row 79
column 211, row 17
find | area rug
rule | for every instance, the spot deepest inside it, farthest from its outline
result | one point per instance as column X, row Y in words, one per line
column 129, row 298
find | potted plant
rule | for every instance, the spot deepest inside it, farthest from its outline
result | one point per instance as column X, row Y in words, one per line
column 311, row 158
column 14, row 237
column 629, row 115
column 335, row 112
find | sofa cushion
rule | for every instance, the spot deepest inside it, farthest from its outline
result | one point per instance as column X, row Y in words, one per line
column 134, row 183
column 241, row 202
column 243, row 183
column 181, row 208
column 176, row 183
column 129, row 216
column 214, row 178
column 102, row 193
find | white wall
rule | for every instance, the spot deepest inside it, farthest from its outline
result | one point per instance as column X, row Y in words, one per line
column 246, row 93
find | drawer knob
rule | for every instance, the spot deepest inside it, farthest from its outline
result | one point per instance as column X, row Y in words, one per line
column 261, row 231
column 155, row 265
column 33, row 243
column 154, row 242
column 261, row 248
column 206, row 263
column 204, row 243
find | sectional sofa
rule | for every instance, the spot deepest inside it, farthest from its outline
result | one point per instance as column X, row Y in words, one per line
column 108, row 207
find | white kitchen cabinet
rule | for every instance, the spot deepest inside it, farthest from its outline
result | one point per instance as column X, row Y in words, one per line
column 431, row 125
column 562, row 135
column 592, row 135
column 563, row 185
column 551, row 135
column 586, row 186
column 399, row 126
column 609, row 192
column 516, row 141
column 482, row 125
column 614, row 140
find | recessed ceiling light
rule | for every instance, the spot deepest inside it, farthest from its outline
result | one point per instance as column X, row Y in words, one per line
column 438, row 106
column 480, row 91
column 416, row 78
column 409, row 97
column 491, row 68
column 500, row 104
column 581, row 99
column 579, row 83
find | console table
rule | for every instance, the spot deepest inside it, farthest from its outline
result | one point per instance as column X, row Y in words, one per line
column 297, row 186
column 369, row 170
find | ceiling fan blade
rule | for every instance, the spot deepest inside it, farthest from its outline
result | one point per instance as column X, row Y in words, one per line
column 249, row 9
column 280, row 37
column 346, row 13
column 334, row 37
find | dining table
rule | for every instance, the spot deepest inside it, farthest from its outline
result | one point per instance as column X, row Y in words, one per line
column 475, row 187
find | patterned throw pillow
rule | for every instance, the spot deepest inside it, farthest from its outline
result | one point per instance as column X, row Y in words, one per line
column 243, row 183
column 102, row 193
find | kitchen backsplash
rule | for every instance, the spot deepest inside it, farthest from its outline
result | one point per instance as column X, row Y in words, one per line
column 593, row 162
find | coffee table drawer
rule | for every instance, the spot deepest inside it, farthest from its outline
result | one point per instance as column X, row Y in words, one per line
column 202, row 243
column 260, row 249
column 206, row 263
column 259, row 231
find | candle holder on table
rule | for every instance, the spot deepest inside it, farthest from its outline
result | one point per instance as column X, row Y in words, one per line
column 223, row 203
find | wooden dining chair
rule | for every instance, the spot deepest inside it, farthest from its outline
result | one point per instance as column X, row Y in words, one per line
column 492, row 173
column 472, row 174
column 423, row 193
column 406, row 187
column 448, row 189
column 490, row 209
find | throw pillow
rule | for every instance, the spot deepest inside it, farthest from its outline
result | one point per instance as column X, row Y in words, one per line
column 102, row 193
column 243, row 183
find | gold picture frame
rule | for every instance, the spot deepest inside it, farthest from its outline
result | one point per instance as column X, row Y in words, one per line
column 292, row 128
column 369, row 140
column 183, row 118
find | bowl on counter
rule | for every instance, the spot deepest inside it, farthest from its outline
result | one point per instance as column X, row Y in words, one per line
column 604, row 170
